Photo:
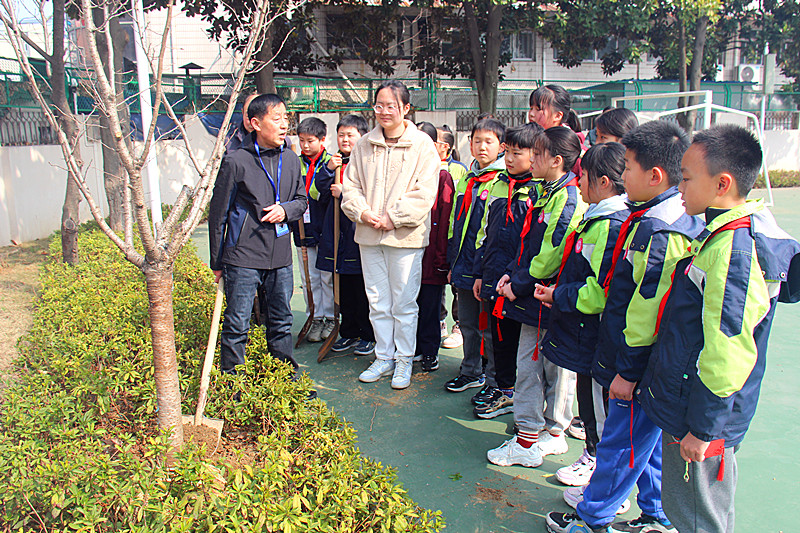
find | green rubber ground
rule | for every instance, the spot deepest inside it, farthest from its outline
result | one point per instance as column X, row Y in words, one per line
column 439, row 448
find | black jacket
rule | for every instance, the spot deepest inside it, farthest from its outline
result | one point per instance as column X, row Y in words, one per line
column 242, row 191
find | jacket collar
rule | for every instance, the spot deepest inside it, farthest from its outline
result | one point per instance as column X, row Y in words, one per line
column 605, row 207
column 499, row 164
column 724, row 216
column 406, row 139
column 639, row 206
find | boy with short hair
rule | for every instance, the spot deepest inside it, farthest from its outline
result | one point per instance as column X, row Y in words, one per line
column 651, row 241
column 356, row 330
column 466, row 221
column 509, row 198
column 702, row 382
column 314, row 166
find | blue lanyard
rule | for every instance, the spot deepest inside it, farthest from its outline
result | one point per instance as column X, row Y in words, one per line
column 275, row 187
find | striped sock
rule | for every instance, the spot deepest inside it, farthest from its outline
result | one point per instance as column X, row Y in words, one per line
column 526, row 439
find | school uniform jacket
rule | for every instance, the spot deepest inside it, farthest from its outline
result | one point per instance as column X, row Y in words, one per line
column 706, row 368
column 507, row 206
column 553, row 216
column 242, row 191
column 349, row 255
column 467, row 222
column 458, row 170
column 657, row 237
column 314, row 184
column 434, row 261
column 579, row 296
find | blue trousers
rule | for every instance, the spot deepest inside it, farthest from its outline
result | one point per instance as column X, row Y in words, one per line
column 241, row 284
column 613, row 479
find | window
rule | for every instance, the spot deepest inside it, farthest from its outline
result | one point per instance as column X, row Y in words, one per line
column 524, row 46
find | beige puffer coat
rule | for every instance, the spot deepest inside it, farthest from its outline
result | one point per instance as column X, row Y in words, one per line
column 399, row 179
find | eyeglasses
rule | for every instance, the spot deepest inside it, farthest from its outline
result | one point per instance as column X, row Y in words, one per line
column 380, row 108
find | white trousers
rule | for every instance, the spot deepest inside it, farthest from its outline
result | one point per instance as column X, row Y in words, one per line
column 321, row 284
column 391, row 278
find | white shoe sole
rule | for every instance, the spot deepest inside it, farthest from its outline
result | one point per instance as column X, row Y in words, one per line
column 370, row 379
column 400, row 386
column 505, row 462
column 624, row 508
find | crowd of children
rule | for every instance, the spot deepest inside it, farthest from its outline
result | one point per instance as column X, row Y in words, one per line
column 578, row 272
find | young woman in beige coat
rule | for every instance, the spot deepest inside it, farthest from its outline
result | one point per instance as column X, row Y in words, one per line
column 388, row 189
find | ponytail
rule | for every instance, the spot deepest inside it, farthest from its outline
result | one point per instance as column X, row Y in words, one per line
column 573, row 121
column 560, row 141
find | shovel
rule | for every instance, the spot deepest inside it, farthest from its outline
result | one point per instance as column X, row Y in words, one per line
column 325, row 348
column 309, row 294
column 198, row 420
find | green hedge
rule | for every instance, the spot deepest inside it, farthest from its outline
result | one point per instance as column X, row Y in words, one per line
column 79, row 449
column 780, row 179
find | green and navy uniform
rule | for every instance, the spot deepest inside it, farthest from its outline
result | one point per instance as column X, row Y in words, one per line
column 311, row 171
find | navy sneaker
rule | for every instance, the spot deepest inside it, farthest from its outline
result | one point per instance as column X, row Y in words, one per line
column 487, row 394
column 644, row 524
column 570, row 523
column 504, row 404
column 462, row 383
column 364, row 347
column 430, row 363
column 343, row 344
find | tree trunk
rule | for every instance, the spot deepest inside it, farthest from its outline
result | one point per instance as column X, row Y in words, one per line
column 696, row 67
column 265, row 81
column 683, row 119
column 159, row 294
column 70, row 212
column 486, row 63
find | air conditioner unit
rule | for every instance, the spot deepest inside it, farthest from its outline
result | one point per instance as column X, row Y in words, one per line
column 752, row 73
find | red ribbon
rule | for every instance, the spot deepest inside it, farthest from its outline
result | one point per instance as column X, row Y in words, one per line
column 623, row 234
column 483, row 178
column 312, row 168
column 512, row 184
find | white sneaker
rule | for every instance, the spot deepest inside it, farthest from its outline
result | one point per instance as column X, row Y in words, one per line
column 315, row 331
column 549, row 444
column 454, row 340
column 578, row 473
column 378, row 369
column 512, row 453
column 327, row 328
column 574, row 495
column 443, row 328
column 401, row 378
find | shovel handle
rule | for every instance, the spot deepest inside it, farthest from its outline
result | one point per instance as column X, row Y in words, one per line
column 209, row 359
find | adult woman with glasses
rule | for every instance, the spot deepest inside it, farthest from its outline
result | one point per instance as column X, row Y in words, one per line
column 388, row 189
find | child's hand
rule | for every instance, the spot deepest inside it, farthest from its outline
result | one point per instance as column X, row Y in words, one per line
column 621, row 389
column 476, row 289
column 449, row 277
column 336, row 190
column 335, row 162
column 693, row 449
column 502, row 283
column 507, row 292
column 544, row 294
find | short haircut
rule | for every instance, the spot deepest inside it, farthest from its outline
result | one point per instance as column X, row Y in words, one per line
column 483, row 116
column 261, row 105
column 430, row 129
column 606, row 159
column 658, row 144
column 732, row 149
column 562, row 141
column 312, row 126
column 398, row 89
column 523, row 136
column 617, row 122
column 353, row 121
column 491, row 125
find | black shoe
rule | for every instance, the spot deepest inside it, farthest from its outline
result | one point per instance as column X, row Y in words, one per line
column 504, row 404
column 364, row 347
column 462, row 383
column 487, row 395
column 312, row 394
column 430, row 363
column 343, row 344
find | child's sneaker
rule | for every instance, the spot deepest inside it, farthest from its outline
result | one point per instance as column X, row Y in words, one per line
column 578, row 473
column 343, row 344
column 315, row 332
column 454, row 340
column 550, row 444
column 576, row 429
column 570, row 523
column 487, row 394
column 574, row 495
column 401, row 378
column 643, row 524
column 327, row 328
column 430, row 363
column 462, row 383
column 512, row 453
column 443, row 328
column 502, row 405
column 378, row 369
column 364, row 347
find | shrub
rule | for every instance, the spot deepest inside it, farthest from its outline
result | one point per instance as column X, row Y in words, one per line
column 80, row 451
column 779, row 179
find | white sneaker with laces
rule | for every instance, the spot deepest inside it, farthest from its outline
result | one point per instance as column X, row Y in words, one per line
column 315, row 331
column 550, row 444
column 512, row 453
column 578, row 473
column 574, row 495
column 327, row 328
column 378, row 369
column 401, row 378
column 454, row 340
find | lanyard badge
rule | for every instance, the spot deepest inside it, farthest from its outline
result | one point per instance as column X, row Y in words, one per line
column 281, row 228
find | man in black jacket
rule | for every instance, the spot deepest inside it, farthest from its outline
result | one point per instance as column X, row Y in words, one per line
column 258, row 191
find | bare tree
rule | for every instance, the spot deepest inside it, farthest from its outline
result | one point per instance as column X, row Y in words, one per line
column 162, row 244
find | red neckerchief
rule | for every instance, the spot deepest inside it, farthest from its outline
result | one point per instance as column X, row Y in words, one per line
column 569, row 243
column 483, row 178
column 623, row 234
column 526, row 226
column 512, row 184
column 312, row 167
